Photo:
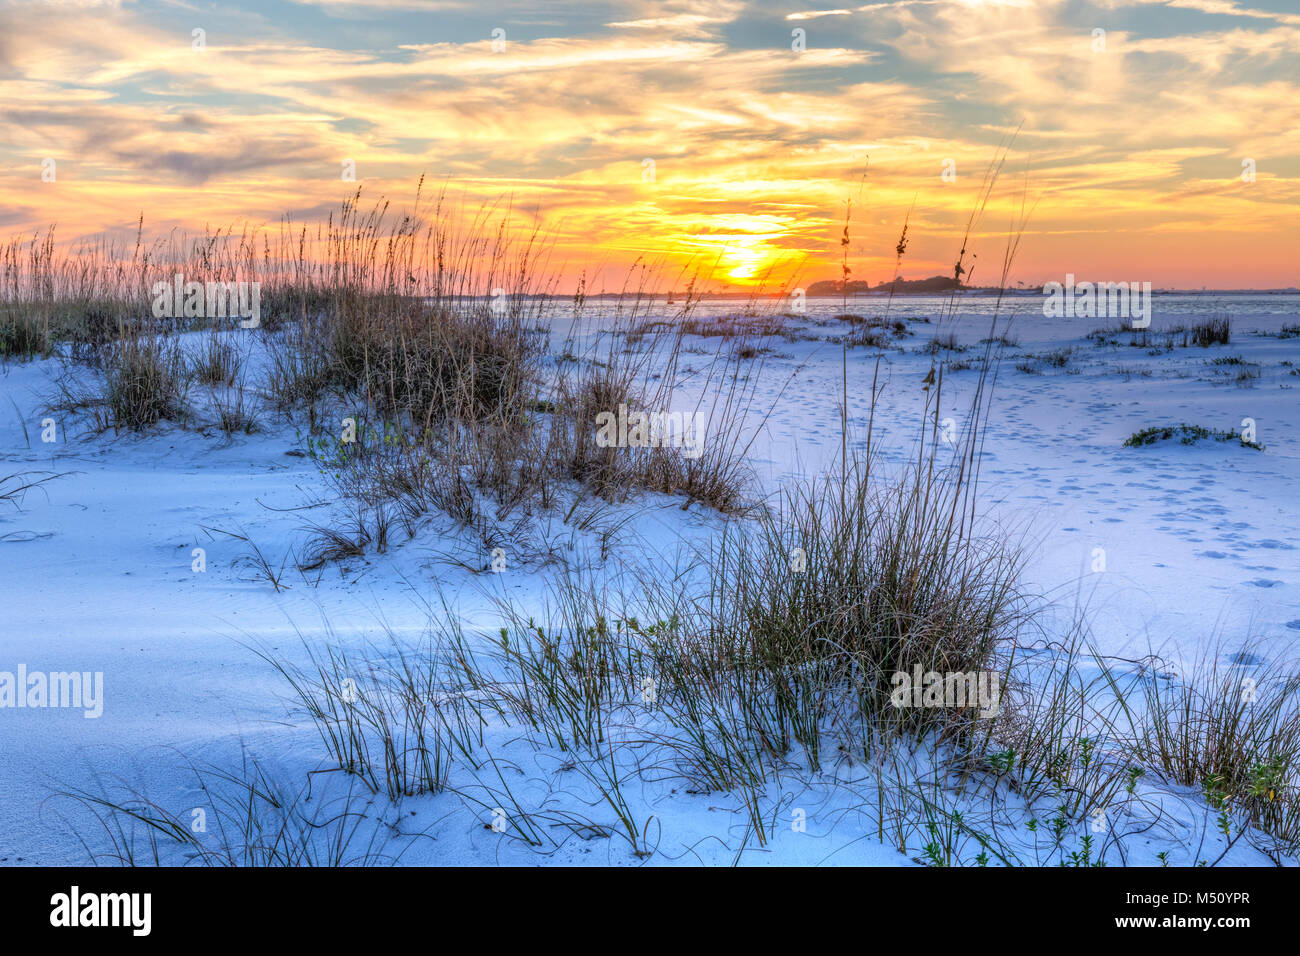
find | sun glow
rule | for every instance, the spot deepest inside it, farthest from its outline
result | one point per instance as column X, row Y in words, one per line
column 750, row 262
column 739, row 249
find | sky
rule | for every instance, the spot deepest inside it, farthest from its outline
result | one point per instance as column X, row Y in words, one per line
column 1145, row 140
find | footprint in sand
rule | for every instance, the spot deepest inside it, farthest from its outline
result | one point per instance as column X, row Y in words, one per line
column 1270, row 543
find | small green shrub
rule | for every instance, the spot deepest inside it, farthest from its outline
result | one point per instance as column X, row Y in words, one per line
column 1186, row 434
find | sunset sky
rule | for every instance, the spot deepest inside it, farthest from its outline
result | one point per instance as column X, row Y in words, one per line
column 1130, row 151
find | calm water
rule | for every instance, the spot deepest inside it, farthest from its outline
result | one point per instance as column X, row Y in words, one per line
column 1026, row 305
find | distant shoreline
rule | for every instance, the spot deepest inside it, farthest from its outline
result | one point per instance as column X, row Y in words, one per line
column 885, row 294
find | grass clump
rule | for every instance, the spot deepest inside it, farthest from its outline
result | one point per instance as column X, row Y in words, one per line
column 1059, row 358
column 145, row 383
column 943, row 343
column 1003, row 340
column 140, row 380
column 1233, row 731
column 1186, row 435
column 1213, row 331
column 846, row 585
column 217, row 364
